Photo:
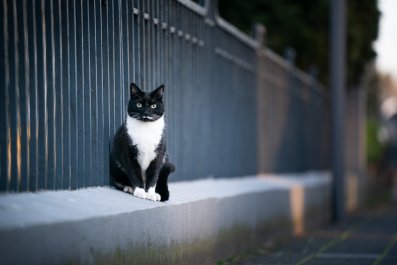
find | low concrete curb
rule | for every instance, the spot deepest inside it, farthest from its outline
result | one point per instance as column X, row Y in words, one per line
column 204, row 221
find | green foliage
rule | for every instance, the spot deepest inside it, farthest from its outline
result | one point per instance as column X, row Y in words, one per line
column 374, row 148
column 372, row 85
column 362, row 30
column 304, row 25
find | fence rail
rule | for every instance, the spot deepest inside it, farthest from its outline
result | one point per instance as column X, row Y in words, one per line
column 232, row 108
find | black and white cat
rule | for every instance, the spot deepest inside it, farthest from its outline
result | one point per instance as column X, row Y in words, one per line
column 138, row 161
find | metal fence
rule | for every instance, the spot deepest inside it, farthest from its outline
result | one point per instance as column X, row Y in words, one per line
column 232, row 109
column 294, row 117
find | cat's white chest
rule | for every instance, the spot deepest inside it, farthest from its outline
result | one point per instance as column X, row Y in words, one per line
column 146, row 136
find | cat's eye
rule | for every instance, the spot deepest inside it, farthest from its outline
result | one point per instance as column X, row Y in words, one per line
column 139, row 105
column 153, row 106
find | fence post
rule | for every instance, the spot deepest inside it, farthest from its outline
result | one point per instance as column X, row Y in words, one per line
column 316, row 129
column 290, row 55
column 293, row 109
column 260, row 35
column 337, row 80
column 259, row 32
column 212, row 9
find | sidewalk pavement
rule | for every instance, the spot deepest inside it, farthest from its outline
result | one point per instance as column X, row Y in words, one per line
column 368, row 237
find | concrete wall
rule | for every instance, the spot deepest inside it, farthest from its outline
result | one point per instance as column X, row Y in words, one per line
column 204, row 221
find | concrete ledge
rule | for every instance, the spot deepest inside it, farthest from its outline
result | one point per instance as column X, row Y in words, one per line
column 204, row 221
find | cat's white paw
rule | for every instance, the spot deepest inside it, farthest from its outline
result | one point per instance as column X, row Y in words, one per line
column 128, row 189
column 152, row 195
column 140, row 193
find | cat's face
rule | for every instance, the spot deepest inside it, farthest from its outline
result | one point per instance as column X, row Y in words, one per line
column 146, row 106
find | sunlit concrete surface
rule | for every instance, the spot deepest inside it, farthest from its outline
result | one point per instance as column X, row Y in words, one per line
column 204, row 221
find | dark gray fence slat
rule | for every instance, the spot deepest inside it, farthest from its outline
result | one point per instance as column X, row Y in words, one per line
column 41, row 111
column 3, row 106
column 80, row 99
column 103, row 150
column 4, row 98
column 73, row 111
column 13, row 95
column 117, row 65
column 111, row 86
column 125, row 56
column 47, row 8
column 86, row 88
column 93, row 175
column 96, row 93
column 34, row 113
column 20, row 96
column 67, row 156
column 148, row 45
column 58, row 67
column 105, row 84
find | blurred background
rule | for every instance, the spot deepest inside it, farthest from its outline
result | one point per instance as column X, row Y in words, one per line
column 371, row 60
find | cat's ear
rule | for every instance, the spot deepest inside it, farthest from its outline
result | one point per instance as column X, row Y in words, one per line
column 134, row 90
column 158, row 92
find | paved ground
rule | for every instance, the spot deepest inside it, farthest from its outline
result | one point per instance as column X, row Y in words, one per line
column 368, row 237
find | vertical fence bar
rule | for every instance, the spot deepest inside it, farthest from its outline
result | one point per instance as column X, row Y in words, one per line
column 142, row 43
column 66, row 176
column 52, row 96
column 110, row 61
column 59, row 96
column 42, row 121
column 25, row 99
column 80, row 99
column 92, row 75
column 73, row 97
column 34, row 99
column 135, row 41
column 125, row 41
column 47, row 7
column 13, row 94
column 138, row 43
column 122, row 53
column 168, row 69
column 105, row 84
column 148, row 45
column 94, row 97
column 101, row 177
column 103, row 144
column 18, row 92
column 165, row 23
column 86, row 75
column 5, row 137
column 3, row 109
column 337, row 81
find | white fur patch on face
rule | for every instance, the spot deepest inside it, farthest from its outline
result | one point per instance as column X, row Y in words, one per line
column 140, row 193
column 152, row 195
column 146, row 135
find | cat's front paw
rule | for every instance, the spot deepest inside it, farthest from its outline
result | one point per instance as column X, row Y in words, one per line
column 152, row 195
column 140, row 193
column 128, row 189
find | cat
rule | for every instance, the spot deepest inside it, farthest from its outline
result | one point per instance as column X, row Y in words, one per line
column 138, row 160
